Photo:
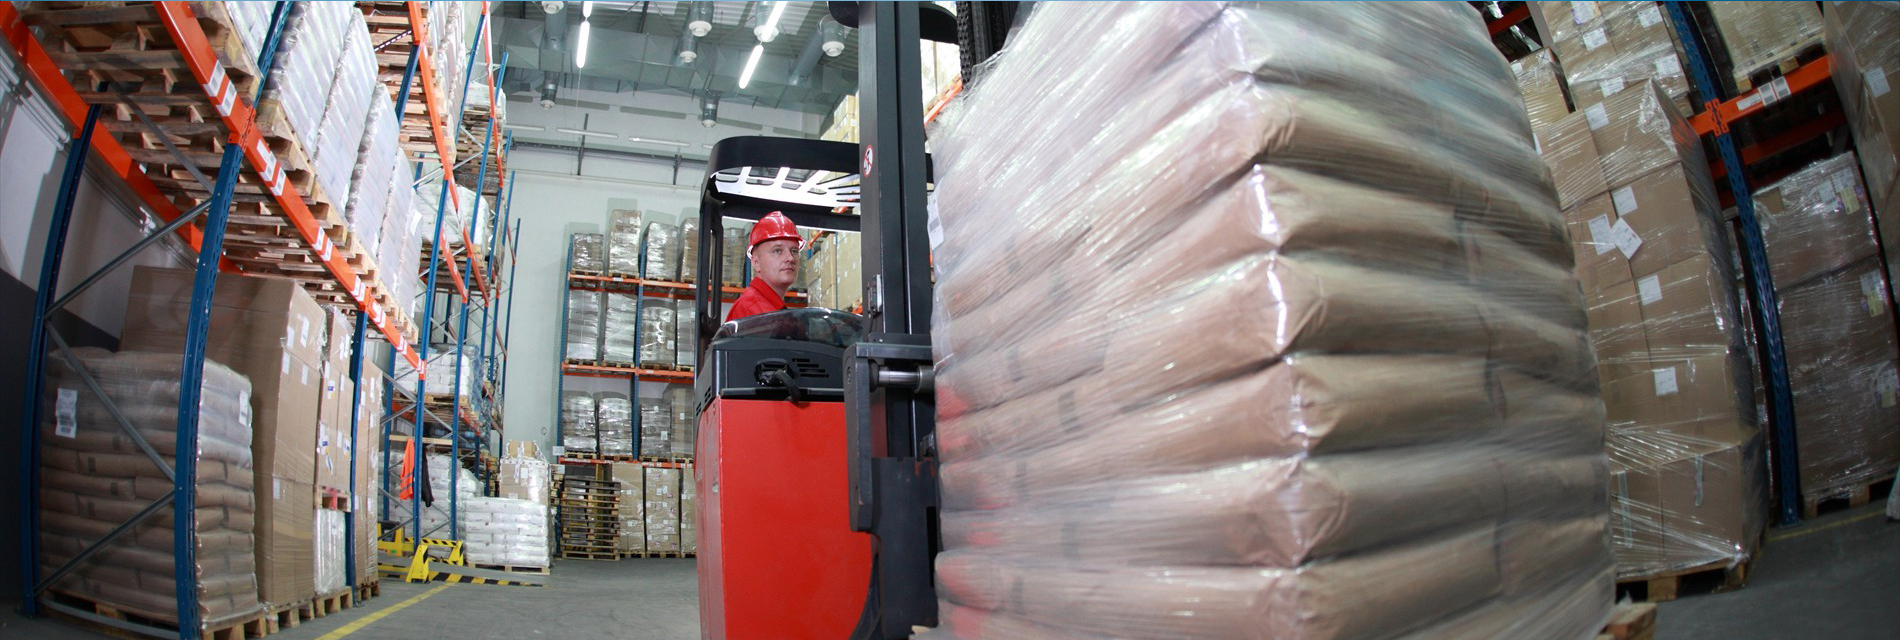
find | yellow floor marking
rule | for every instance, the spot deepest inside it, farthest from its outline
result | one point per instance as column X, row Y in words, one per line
column 372, row 618
column 1802, row 532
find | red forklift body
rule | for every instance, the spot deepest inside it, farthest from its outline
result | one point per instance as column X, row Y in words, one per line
column 777, row 557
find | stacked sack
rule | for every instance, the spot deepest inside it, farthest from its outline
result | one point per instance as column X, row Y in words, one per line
column 463, row 486
column 579, row 424
column 505, row 531
column 330, row 539
column 444, row 377
column 95, row 477
column 1358, row 399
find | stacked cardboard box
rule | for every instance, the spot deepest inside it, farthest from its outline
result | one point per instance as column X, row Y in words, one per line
column 835, row 263
column 689, row 512
column 657, row 333
column 1607, row 46
column 632, row 507
column 689, row 251
column 1365, row 393
column 271, row 332
column 656, row 427
column 661, row 251
column 1836, row 323
column 679, row 402
column 623, row 243
column 615, row 419
column 1860, row 37
column 1541, row 82
column 584, row 249
column 368, row 438
column 524, row 474
column 662, row 509
column 1758, row 35
column 1654, row 263
column 96, row 477
column 579, row 422
column 732, row 266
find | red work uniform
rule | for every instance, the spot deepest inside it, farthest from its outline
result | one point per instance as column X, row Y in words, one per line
column 758, row 298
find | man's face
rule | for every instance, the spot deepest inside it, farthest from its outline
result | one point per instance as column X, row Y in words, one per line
column 776, row 262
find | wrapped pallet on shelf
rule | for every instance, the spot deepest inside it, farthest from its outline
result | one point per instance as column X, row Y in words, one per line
column 616, row 423
column 444, row 380
column 685, row 335
column 657, row 334
column 1837, row 327
column 732, row 265
column 678, row 399
column 1654, row 262
column 506, row 531
column 656, row 428
column 525, row 477
column 583, row 326
column 375, row 170
column 631, row 509
column 662, row 252
column 623, row 243
column 1859, row 36
column 1542, row 85
column 346, row 108
column 587, row 252
column 367, row 506
column 689, row 513
column 1763, row 36
column 689, row 251
column 270, row 331
column 1364, row 405
column 1606, row 46
column 95, row 476
column 579, row 422
column 618, row 329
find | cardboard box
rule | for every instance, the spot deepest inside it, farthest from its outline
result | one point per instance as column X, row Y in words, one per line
column 662, row 510
column 1668, row 212
column 1576, row 166
column 522, row 449
column 1594, row 233
column 1859, row 36
column 286, row 551
column 1714, row 498
column 253, row 318
column 689, row 513
column 1615, row 320
column 365, row 502
column 1841, row 350
column 1636, row 519
column 1636, row 134
column 333, row 431
column 632, row 507
column 1540, row 82
column 1689, row 310
column 1816, row 221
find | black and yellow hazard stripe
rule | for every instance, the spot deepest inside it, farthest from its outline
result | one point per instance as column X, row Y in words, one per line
column 462, row 579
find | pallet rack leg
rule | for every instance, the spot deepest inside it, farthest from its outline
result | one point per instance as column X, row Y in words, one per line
column 1761, row 290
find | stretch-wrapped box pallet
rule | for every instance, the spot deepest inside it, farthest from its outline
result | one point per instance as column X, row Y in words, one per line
column 1357, row 399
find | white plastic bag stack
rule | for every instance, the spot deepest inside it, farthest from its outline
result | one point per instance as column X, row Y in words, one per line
column 505, row 531
column 330, row 540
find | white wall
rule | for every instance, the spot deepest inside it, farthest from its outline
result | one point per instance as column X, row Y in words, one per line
column 553, row 203
column 33, row 138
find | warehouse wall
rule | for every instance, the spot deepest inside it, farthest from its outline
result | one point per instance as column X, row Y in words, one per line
column 32, row 140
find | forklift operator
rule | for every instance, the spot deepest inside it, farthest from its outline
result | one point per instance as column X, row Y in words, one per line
column 774, row 248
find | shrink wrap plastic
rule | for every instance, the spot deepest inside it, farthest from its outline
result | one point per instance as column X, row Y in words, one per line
column 435, row 516
column 689, row 251
column 662, row 509
column 1859, row 36
column 679, row 401
column 616, row 423
column 733, row 261
column 586, row 251
column 662, row 252
column 656, row 427
column 657, row 333
column 95, row 477
column 1837, row 325
column 442, row 378
column 579, row 423
column 583, row 324
column 685, row 335
column 1356, row 398
column 330, row 540
column 1607, row 46
column 1759, row 35
column 505, row 531
column 623, row 243
column 618, row 334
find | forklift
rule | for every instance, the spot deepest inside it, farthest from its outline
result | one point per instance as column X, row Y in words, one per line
column 817, row 471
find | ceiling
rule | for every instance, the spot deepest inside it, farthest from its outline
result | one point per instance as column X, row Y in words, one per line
column 634, row 46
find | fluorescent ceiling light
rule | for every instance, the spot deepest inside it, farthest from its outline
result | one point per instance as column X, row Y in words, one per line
column 671, row 143
column 584, row 132
column 769, row 31
column 580, row 53
column 523, row 127
column 587, row 9
column 751, row 63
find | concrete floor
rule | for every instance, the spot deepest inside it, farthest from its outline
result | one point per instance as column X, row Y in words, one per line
column 1836, row 578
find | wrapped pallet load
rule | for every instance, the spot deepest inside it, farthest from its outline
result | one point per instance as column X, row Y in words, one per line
column 689, row 251
column 662, row 510
column 1859, row 37
column 1837, row 326
column 623, row 243
column 656, row 428
column 662, row 252
column 679, row 401
column 616, row 423
column 585, row 253
column 579, row 422
column 685, row 335
column 375, row 169
column 657, row 334
column 732, row 262
column 1356, row 397
column 505, row 531
column 1689, row 486
column 618, row 333
column 1759, row 36
column 95, row 476
column 346, row 108
column 1604, row 47
column 583, row 325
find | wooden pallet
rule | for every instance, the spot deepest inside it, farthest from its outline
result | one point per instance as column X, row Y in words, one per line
column 1748, row 76
column 658, row 554
column 1631, row 621
column 1714, row 577
column 333, row 500
column 1844, row 498
column 589, row 555
column 685, row 460
column 283, row 617
column 328, row 604
column 247, row 626
column 510, row 568
column 584, row 362
column 367, row 590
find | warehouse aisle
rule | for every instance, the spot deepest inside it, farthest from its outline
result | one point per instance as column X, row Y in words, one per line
column 1834, row 578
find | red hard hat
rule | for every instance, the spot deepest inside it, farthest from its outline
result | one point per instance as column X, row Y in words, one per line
column 774, row 226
